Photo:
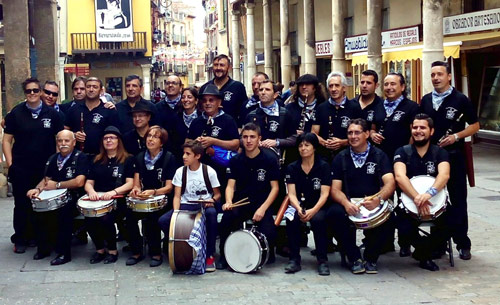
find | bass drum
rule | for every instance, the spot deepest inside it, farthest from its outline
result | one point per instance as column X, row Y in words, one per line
column 246, row 250
column 180, row 253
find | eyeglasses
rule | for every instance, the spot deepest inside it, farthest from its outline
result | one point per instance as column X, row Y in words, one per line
column 110, row 138
column 31, row 91
column 172, row 83
column 150, row 136
column 48, row 92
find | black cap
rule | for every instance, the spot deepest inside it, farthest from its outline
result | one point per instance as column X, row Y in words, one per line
column 211, row 89
column 307, row 79
column 112, row 130
column 141, row 107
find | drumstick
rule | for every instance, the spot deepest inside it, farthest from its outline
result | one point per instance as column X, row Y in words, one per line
column 200, row 201
column 240, row 201
column 100, row 198
column 368, row 198
column 239, row 204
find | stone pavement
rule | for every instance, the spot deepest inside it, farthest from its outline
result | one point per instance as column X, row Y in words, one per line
column 400, row 281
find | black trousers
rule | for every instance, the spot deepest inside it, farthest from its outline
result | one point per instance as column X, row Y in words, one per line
column 151, row 229
column 54, row 230
column 318, row 226
column 233, row 220
column 344, row 231
column 102, row 230
column 23, row 178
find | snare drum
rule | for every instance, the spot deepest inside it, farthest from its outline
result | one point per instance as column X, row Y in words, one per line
column 180, row 253
column 147, row 205
column 51, row 200
column 246, row 250
column 439, row 201
column 366, row 219
column 96, row 208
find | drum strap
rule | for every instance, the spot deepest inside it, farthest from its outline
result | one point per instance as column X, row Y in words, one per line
column 204, row 169
column 409, row 152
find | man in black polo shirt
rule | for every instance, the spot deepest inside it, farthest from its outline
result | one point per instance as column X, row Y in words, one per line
column 450, row 110
column 64, row 170
column 253, row 173
column 253, row 101
column 28, row 141
column 332, row 117
column 168, row 108
column 134, row 140
column 233, row 92
column 421, row 158
column 78, row 88
column 88, row 120
column 372, row 108
column 360, row 171
column 133, row 89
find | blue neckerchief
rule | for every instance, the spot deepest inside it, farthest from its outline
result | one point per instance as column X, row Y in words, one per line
column 221, row 112
column 308, row 106
column 150, row 163
column 342, row 104
column 438, row 98
column 35, row 112
column 62, row 160
column 391, row 106
column 254, row 100
column 56, row 107
column 173, row 103
column 360, row 159
column 189, row 118
column 273, row 110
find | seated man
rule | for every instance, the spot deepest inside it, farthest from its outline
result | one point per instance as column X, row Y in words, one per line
column 253, row 173
column 359, row 171
column 195, row 181
column 422, row 158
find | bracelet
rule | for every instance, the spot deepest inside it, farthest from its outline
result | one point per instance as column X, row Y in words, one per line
column 39, row 190
column 154, row 194
column 432, row 191
column 115, row 192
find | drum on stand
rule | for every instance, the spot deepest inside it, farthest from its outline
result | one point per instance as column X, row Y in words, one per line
column 421, row 184
column 147, row 205
column 180, row 253
column 96, row 208
column 367, row 219
column 246, row 250
column 51, row 200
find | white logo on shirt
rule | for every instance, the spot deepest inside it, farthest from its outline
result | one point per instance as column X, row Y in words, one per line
column 97, row 118
column 160, row 170
column 316, row 184
column 398, row 115
column 227, row 96
column 116, row 172
column 273, row 126
column 261, row 175
column 345, row 122
column 69, row 173
column 370, row 168
column 215, row 131
column 369, row 117
column 431, row 168
column 46, row 123
column 450, row 113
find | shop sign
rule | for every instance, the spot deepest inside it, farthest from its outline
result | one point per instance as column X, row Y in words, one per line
column 78, row 69
column 390, row 39
column 324, row 48
column 472, row 22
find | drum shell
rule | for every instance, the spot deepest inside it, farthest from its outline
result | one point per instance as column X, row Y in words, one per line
column 180, row 254
column 148, row 205
column 258, row 240
column 421, row 183
column 376, row 220
column 51, row 204
column 95, row 211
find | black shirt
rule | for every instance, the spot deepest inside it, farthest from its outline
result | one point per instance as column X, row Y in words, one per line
column 309, row 185
column 66, row 106
column 76, row 165
column 335, row 120
column 234, row 95
column 34, row 139
column 245, row 110
column 111, row 175
column 396, row 127
column 426, row 165
column 179, row 137
column 163, row 170
column 126, row 122
column 363, row 181
column 373, row 113
column 253, row 176
column 272, row 127
column 452, row 107
column 94, row 123
column 133, row 142
column 295, row 113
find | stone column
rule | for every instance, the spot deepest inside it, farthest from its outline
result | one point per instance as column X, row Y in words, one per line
column 235, row 40
column 146, row 80
column 268, row 39
column 374, row 28
column 433, row 40
column 16, row 43
column 46, row 39
column 338, row 35
column 309, row 38
column 286, row 57
column 250, row 45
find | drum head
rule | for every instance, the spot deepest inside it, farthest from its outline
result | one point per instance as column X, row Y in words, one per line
column 152, row 199
column 421, row 185
column 88, row 204
column 365, row 214
column 243, row 251
column 49, row 194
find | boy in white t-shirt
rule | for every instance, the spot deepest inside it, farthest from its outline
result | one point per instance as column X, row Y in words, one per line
column 196, row 181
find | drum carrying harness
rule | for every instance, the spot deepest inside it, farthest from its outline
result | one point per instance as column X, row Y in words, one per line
column 204, row 169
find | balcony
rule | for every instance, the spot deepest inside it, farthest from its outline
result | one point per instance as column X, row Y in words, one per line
column 86, row 43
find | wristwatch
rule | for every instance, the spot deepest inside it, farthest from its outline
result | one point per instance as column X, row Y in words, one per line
column 456, row 137
column 58, row 185
column 380, row 199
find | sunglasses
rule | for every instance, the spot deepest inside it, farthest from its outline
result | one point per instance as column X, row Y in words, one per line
column 48, row 92
column 31, row 91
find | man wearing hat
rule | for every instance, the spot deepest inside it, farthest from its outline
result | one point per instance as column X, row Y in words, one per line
column 134, row 139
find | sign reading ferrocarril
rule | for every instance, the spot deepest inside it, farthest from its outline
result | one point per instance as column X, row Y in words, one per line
column 472, row 22
column 114, row 20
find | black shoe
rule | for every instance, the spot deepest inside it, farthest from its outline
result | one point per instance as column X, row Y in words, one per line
column 292, row 267
column 358, row 267
column 371, row 268
column 19, row 249
column 97, row 257
column 111, row 258
column 221, row 263
column 464, row 254
column 134, row 260
column 40, row 255
column 323, row 269
column 428, row 265
column 405, row 251
column 155, row 262
column 60, row 260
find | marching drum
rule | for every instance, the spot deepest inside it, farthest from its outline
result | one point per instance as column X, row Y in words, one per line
column 180, row 253
column 50, row 200
column 147, row 205
column 367, row 219
column 246, row 250
column 421, row 184
column 97, row 208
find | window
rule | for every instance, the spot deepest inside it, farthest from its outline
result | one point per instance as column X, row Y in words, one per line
column 473, row 5
column 349, row 20
column 489, row 111
column 385, row 15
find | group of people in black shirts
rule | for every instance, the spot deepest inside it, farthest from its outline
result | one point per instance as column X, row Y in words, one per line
column 326, row 150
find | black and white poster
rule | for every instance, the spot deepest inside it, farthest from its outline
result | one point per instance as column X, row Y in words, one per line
column 114, row 20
